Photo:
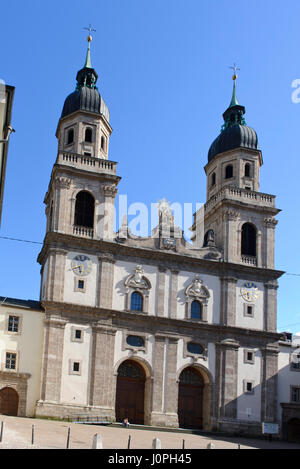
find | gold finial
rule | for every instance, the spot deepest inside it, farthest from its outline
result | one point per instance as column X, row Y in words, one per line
column 90, row 29
column 234, row 68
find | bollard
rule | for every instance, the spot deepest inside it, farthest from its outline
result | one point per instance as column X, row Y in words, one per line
column 97, row 442
column 183, row 444
column 1, row 432
column 156, row 444
column 32, row 435
column 129, row 439
column 210, row 446
column 68, row 438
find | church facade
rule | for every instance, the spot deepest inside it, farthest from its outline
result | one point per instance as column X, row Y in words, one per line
column 158, row 330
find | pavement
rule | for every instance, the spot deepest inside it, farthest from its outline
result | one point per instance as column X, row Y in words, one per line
column 50, row 434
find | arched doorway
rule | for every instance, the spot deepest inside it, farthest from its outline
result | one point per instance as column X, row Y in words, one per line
column 130, row 392
column 294, row 430
column 190, row 399
column 9, row 402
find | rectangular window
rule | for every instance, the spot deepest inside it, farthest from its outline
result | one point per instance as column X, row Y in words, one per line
column 249, row 387
column 295, row 394
column 10, row 361
column 249, row 356
column 78, row 333
column 76, row 367
column 13, row 324
column 81, row 284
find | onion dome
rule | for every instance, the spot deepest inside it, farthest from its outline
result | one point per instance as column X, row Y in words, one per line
column 86, row 96
column 234, row 133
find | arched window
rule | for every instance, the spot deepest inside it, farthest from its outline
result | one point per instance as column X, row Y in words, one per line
column 229, row 171
column 103, row 141
column 196, row 310
column 84, row 210
column 70, row 136
column 209, row 238
column 247, row 170
column 213, row 179
column 248, row 240
column 88, row 135
column 136, row 303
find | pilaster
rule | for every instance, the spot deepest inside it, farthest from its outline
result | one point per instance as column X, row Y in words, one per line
column 269, row 383
column 228, row 301
column 226, row 379
column 270, row 306
column 52, row 359
column 102, row 379
column 161, row 291
column 106, row 270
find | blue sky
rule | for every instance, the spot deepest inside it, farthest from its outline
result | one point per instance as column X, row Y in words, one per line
column 163, row 71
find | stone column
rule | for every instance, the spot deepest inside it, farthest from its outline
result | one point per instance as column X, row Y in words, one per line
column 269, row 383
column 105, row 228
column 171, row 384
column 231, row 254
column 161, row 287
column 228, row 301
column 157, row 417
column 102, row 386
column 105, row 290
column 173, row 293
column 52, row 359
column 270, row 306
column 165, row 387
column 226, row 379
column 269, row 242
column 62, row 185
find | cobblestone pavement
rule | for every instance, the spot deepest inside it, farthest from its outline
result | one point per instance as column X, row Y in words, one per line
column 49, row 434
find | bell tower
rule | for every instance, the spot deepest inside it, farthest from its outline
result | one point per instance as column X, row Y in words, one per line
column 83, row 185
column 239, row 218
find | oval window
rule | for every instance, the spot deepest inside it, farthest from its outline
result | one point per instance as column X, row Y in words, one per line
column 197, row 349
column 135, row 341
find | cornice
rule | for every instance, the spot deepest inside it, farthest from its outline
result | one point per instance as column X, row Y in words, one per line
column 159, row 326
column 171, row 260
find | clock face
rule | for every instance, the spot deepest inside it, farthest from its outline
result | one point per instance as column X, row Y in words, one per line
column 249, row 291
column 81, row 265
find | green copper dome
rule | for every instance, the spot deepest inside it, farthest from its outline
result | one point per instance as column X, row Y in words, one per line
column 86, row 96
column 234, row 133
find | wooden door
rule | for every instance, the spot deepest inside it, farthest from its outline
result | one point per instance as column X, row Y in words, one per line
column 9, row 402
column 190, row 399
column 130, row 393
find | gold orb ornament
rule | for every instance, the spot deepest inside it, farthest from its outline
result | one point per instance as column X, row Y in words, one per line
column 234, row 77
column 89, row 39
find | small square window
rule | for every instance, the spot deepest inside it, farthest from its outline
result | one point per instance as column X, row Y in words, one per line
column 13, row 324
column 248, row 387
column 76, row 367
column 248, row 310
column 11, row 361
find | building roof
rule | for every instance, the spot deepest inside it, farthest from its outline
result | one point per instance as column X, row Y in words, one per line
column 86, row 96
column 234, row 133
column 30, row 304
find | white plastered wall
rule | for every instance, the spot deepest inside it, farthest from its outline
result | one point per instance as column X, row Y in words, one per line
column 29, row 347
column 249, row 405
column 256, row 322
column 74, row 388
column 88, row 297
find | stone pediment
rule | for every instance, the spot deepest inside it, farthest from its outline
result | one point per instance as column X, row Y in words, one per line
column 137, row 280
column 197, row 290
